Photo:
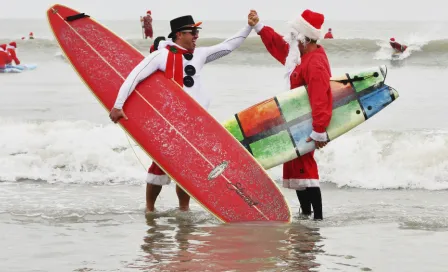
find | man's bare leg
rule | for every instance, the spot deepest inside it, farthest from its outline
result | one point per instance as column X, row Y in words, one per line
column 184, row 199
column 152, row 192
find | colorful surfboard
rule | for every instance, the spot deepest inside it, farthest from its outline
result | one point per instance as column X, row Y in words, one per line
column 275, row 130
column 198, row 153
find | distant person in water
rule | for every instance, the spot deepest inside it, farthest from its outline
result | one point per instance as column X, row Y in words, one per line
column 155, row 45
column 329, row 34
column 31, row 36
column 147, row 24
column 5, row 58
column 11, row 50
column 396, row 46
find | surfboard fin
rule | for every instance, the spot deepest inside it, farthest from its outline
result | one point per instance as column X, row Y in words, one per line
column 356, row 78
column 76, row 17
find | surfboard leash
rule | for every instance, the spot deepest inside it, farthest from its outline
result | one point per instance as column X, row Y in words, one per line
column 133, row 150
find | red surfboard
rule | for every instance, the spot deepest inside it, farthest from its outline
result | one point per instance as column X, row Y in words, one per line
column 197, row 152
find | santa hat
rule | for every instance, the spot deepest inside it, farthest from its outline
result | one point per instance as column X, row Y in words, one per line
column 148, row 12
column 13, row 44
column 31, row 33
column 3, row 47
column 392, row 40
column 308, row 25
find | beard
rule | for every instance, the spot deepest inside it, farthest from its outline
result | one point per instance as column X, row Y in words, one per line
column 294, row 57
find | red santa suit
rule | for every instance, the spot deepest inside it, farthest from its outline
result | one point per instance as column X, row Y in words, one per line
column 147, row 25
column 152, row 48
column 328, row 35
column 5, row 58
column 313, row 70
column 11, row 49
column 185, row 68
column 398, row 47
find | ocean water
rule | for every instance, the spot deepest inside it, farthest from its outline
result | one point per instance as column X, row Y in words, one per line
column 72, row 184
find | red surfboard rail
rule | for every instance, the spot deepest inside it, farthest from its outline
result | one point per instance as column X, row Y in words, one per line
column 192, row 147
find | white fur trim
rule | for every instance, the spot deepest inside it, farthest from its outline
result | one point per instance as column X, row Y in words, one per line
column 158, row 179
column 258, row 27
column 294, row 58
column 300, row 184
column 302, row 26
column 9, row 46
column 320, row 137
column 1, row 49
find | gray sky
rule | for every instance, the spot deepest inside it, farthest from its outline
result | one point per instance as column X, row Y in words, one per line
column 236, row 9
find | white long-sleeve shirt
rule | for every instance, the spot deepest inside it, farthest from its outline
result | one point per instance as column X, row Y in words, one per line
column 202, row 55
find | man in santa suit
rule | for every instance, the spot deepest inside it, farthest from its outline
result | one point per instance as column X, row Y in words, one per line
column 179, row 58
column 147, row 24
column 5, row 58
column 396, row 46
column 307, row 64
column 329, row 34
column 11, row 49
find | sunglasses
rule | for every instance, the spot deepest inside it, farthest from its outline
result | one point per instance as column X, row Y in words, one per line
column 193, row 32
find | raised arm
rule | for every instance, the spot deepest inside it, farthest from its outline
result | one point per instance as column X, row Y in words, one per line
column 226, row 47
column 274, row 42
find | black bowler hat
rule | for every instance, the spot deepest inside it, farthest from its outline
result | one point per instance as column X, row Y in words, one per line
column 182, row 23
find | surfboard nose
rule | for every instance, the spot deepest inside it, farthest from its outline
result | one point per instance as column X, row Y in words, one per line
column 383, row 69
column 395, row 93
